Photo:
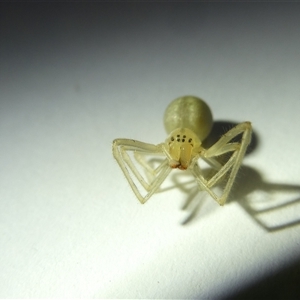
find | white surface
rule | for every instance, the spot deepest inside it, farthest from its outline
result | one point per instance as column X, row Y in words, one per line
column 76, row 76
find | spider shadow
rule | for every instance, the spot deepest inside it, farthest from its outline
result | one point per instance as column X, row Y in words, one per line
column 273, row 205
column 265, row 202
column 256, row 196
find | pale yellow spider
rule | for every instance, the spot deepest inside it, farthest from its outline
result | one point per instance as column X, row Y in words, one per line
column 188, row 120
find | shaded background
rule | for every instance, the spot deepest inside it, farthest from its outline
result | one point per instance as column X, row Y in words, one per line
column 75, row 76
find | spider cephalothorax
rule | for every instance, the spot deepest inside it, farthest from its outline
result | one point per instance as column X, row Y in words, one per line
column 181, row 147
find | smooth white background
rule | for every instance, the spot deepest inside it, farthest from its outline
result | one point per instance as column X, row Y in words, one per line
column 76, row 76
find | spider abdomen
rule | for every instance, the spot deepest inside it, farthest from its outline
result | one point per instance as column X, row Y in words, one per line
column 189, row 112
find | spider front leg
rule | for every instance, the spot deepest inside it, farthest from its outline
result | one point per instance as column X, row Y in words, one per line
column 121, row 147
column 233, row 164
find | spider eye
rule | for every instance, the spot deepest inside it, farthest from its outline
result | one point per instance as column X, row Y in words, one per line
column 183, row 140
column 172, row 138
column 190, row 140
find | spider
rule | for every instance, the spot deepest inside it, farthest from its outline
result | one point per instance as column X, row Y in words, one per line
column 188, row 121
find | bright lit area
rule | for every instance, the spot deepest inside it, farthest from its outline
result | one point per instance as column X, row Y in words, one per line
column 76, row 76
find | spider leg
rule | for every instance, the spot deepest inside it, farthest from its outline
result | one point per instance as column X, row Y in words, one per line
column 165, row 170
column 150, row 170
column 223, row 146
column 121, row 147
column 212, row 162
column 231, row 166
column 202, row 182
